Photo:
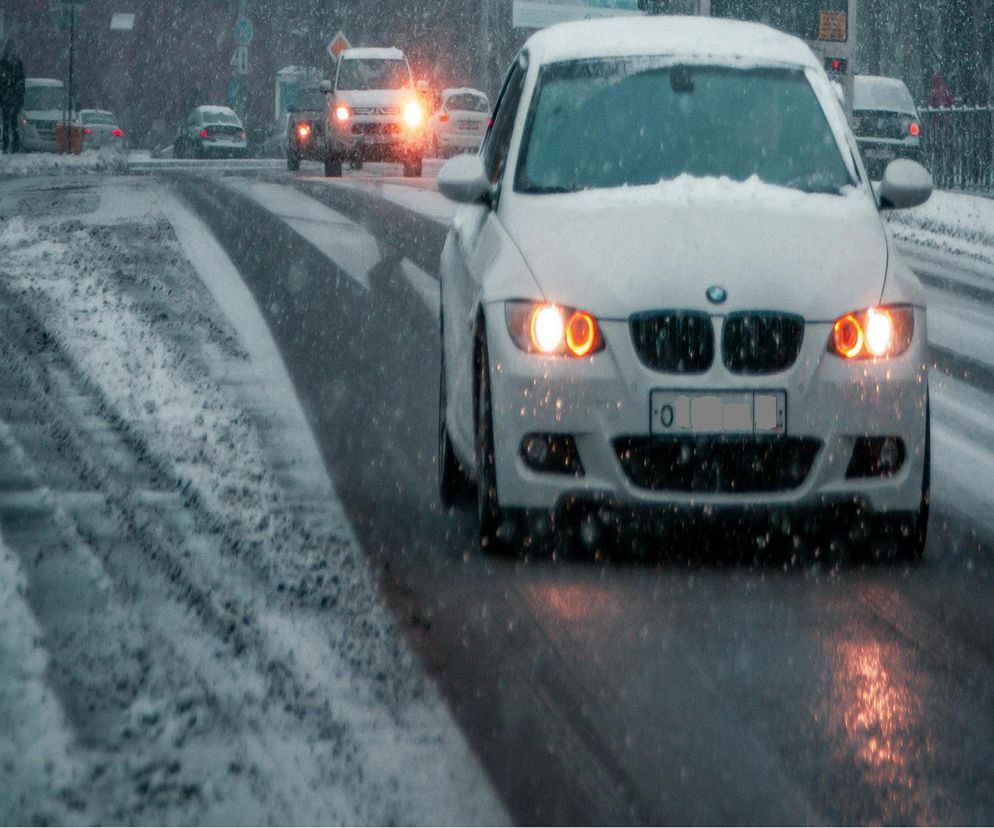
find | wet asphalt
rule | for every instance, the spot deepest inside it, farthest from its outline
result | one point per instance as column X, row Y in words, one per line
column 685, row 680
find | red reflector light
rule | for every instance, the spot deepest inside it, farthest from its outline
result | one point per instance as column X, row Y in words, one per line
column 118, row 132
column 914, row 129
column 87, row 131
column 444, row 118
column 203, row 133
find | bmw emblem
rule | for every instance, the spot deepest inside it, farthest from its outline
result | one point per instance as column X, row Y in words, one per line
column 717, row 294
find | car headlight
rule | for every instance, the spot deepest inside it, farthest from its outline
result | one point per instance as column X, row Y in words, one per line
column 342, row 113
column 552, row 330
column 874, row 333
column 414, row 115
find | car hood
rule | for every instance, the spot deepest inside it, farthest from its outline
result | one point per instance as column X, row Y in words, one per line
column 616, row 252
column 376, row 97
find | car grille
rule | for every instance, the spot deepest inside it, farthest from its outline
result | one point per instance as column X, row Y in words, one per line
column 717, row 465
column 679, row 342
column 761, row 343
column 870, row 124
column 375, row 129
column 377, row 110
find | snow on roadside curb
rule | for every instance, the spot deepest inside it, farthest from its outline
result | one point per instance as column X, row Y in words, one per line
column 43, row 163
column 335, row 718
column 34, row 750
column 949, row 222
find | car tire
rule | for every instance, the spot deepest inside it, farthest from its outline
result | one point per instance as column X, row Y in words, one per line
column 355, row 162
column 292, row 162
column 177, row 149
column 332, row 167
column 412, row 168
column 499, row 528
column 454, row 485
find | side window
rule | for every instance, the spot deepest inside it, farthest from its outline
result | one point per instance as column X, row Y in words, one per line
column 498, row 141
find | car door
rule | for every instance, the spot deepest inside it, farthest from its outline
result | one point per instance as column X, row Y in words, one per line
column 470, row 248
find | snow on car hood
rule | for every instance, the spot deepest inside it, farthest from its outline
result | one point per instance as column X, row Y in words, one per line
column 615, row 252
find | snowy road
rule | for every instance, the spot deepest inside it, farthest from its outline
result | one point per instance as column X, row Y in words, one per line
column 654, row 691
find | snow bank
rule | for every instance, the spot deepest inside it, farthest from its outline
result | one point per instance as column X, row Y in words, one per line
column 34, row 748
column 949, row 222
column 40, row 163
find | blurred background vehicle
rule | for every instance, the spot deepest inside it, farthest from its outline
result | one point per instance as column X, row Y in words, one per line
column 459, row 121
column 885, row 121
column 376, row 113
column 44, row 108
column 100, row 129
column 211, row 132
column 304, row 136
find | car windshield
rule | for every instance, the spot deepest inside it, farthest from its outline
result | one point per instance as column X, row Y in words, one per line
column 655, row 123
column 467, row 103
column 309, row 100
column 98, row 118
column 362, row 74
column 39, row 98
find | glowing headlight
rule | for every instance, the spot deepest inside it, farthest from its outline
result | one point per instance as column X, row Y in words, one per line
column 342, row 113
column 552, row 330
column 875, row 333
column 413, row 114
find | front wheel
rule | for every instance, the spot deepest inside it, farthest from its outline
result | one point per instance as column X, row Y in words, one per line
column 332, row 167
column 292, row 162
column 454, row 486
column 500, row 529
column 412, row 168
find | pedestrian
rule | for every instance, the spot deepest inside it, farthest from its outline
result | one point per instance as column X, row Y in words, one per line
column 11, row 96
column 940, row 95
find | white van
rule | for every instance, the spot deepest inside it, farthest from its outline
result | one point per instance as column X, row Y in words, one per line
column 44, row 102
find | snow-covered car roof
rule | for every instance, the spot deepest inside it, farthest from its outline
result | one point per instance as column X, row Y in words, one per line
column 881, row 93
column 733, row 41
column 373, row 53
column 42, row 82
column 216, row 110
column 95, row 112
column 463, row 90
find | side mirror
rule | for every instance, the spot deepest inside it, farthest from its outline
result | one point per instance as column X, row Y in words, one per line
column 325, row 86
column 905, row 184
column 464, row 180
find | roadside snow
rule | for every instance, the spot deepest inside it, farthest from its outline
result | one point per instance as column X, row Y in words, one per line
column 41, row 163
column 949, row 222
column 308, row 708
column 34, row 749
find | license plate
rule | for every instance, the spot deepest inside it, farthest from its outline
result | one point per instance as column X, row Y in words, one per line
column 718, row 412
column 468, row 126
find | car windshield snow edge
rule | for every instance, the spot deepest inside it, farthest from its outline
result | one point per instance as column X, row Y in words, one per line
column 639, row 121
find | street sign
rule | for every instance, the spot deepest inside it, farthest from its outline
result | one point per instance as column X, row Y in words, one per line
column 244, row 31
column 239, row 60
column 339, row 43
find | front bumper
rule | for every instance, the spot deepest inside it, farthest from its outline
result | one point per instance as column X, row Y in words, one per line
column 605, row 399
column 377, row 141
column 879, row 152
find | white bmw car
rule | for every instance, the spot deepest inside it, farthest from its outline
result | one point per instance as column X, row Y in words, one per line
column 669, row 286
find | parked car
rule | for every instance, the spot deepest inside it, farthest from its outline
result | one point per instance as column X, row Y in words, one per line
column 43, row 110
column 304, row 136
column 694, row 306
column 459, row 121
column 100, row 129
column 375, row 113
column 886, row 122
column 211, row 132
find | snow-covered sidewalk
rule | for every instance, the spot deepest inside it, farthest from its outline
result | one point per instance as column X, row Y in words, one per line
column 225, row 658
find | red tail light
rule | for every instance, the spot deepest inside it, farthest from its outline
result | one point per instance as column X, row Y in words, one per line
column 87, row 131
column 914, row 129
column 443, row 118
column 118, row 132
column 203, row 133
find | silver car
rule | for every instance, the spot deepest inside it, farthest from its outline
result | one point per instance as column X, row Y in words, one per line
column 100, row 129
